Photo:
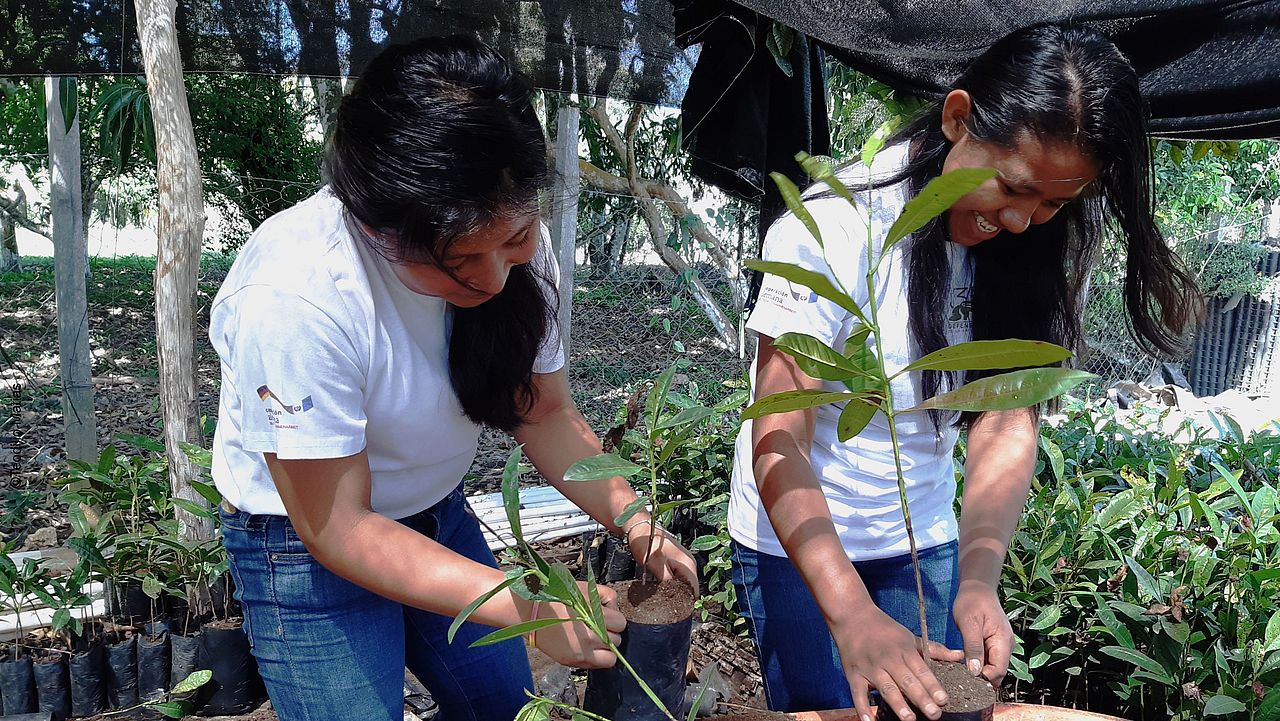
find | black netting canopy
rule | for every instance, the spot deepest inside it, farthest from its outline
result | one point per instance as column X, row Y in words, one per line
column 1210, row 68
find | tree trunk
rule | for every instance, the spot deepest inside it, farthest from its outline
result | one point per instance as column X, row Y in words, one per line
column 180, row 227
column 70, row 268
column 10, row 258
column 618, row 242
column 564, row 212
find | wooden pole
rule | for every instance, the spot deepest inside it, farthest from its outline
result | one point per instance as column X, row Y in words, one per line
column 70, row 268
column 564, row 212
column 180, row 228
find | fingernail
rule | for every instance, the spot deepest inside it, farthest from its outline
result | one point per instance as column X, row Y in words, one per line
column 975, row 666
column 866, row 717
column 940, row 696
column 932, row 711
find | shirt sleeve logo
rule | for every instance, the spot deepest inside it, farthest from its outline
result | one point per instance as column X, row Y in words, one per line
column 265, row 393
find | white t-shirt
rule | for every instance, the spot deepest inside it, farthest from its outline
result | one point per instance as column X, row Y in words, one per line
column 324, row 353
column 858, row 476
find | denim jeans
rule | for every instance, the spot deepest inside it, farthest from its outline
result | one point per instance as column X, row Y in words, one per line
column 799, row 661
column 329, row 649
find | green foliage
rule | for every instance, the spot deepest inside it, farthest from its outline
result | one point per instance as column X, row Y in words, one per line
column 860, row 107
column 1148, row 564
column 256, row 153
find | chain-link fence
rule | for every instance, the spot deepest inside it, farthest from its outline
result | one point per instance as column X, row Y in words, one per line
column 1236, row 346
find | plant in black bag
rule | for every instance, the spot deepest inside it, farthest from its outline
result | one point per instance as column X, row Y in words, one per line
column 659, row 615
column 18, row 584
column 535, row 579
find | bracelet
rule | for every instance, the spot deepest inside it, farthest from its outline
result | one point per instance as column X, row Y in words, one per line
column 532, row 636
column 626, row 532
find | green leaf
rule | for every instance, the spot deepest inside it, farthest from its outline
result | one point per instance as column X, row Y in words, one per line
column 855, row 417
column 1007, row 391
column 151, row 586
column 68, row 100
column 705, row 543
column 1139, row 659
column 1108, row 617
column 632, row 509
column 604, row 465
column 817, row 359
column 207, row 492
column 199, row 455
column 814, row 281
column 1047, row 618
column 480, row 601
column 821, row 171
column 657, row 398
column 791, row 194
column 990, row 355
column 146, row 443
column 800, row 400
column 779, row 42
column 516, row 631
column 875, row 143
column 937, row 196
column 1222, row 705
column 1269, row 709
column 170, row 709
column 696, row 414
column 1118, row 510
column 511, row 492
column 1145, row 580
column 193, row 508
column 61, row 619
column 1057, row 463
column 193, row 681
column 1271, row 637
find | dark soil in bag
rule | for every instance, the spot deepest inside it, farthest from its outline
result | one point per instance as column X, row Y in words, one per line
column 53, row 686
column 18, row 686
column 970, row 698
column 656, row 643
column 619, row 564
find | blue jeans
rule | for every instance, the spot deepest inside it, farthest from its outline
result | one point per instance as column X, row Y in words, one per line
column 798, row 657
column 329, row 649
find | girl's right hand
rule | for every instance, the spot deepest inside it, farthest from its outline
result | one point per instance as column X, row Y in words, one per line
column 878, row 652
column 573, row 644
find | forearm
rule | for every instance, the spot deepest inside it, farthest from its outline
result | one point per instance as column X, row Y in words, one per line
column 394, row 561
column 1000, row 461
column 561, row 438
column 801, row 518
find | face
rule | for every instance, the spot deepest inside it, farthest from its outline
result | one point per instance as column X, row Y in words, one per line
column 480, row 262
column 1035, row 178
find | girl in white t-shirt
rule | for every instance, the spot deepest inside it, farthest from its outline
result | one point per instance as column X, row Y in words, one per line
column 822, row 567
column 366, row 335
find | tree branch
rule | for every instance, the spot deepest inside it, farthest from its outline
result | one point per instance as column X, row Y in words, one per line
column 12, row 209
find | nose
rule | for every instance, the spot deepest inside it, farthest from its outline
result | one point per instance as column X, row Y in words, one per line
column 493, row 278
column 1016, row 218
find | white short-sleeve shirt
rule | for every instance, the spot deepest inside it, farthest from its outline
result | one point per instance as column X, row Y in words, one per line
column 858, row 476
column 324, row 352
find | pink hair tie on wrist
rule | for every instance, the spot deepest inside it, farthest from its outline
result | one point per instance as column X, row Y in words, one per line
column 532, row 636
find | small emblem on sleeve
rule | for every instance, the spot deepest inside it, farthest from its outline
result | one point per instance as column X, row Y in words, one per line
column 266, row 395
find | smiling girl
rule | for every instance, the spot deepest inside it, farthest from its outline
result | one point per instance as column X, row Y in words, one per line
column 822, row 563
column 366, row 335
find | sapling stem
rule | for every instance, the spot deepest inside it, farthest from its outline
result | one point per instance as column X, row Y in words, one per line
column 891, row 415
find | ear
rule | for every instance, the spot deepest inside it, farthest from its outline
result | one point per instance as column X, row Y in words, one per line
column 956, row 109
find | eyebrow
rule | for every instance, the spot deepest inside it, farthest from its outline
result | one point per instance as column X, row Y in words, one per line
column 1028, row 184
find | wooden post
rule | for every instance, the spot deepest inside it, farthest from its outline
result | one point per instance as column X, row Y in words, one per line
column 70, row 267
column 180, row 228
column 564, row 212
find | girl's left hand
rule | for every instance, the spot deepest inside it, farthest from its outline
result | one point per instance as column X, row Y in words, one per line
column 984, row 626
column 669, row 559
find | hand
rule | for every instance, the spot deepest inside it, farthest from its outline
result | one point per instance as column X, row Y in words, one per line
column 988, row 637
column 572, row 643
column 668, row 559
column 878, row 652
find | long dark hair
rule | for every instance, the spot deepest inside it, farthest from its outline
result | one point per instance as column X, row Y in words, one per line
column 437, row 139
column 1063, row 83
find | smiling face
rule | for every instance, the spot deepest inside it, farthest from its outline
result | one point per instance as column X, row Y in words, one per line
column 1035, row 178
column 478, row 261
